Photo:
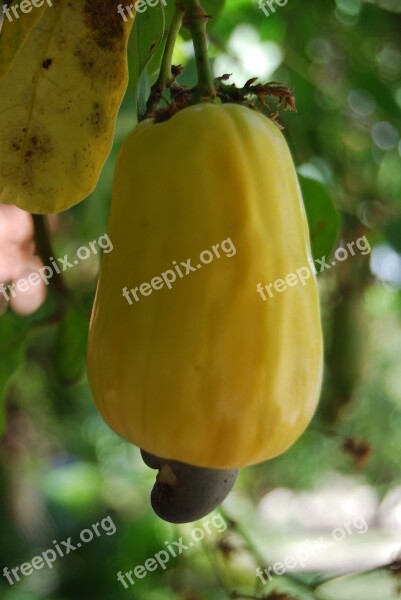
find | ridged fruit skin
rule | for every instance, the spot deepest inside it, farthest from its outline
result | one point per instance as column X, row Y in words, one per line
column 207, row 373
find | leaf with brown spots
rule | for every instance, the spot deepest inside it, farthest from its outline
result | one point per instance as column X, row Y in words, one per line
column 59, row 102
column 14, row 33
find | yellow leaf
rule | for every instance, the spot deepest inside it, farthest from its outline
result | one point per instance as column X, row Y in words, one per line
column 58, row 104
column 14, row 32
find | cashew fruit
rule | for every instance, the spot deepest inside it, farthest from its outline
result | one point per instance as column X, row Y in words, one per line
column 183, row 493
column 204, row 371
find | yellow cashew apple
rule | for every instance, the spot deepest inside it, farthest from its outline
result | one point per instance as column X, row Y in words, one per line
column 204, row 368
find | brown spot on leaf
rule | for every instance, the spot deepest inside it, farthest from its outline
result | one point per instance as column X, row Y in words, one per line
column 105, row 22
column 17, row 142
column 37, row 147
column 87, row 63
column 98, row 119
column 46, row 63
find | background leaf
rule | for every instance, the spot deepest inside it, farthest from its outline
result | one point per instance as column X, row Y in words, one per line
column 147, row 37
column 213, row 7
column 148, row 32
column 12, row 337
column 323, row 218
column 393, row 234
column 70, row 353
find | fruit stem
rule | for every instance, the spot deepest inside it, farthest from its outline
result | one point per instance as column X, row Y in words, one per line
column 195, row 20
column 165, row 77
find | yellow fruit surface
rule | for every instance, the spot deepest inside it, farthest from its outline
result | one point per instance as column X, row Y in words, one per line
column 205, row 371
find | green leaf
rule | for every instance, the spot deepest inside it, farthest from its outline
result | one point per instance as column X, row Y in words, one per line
column 322, row 216
column 213, row 7
column 71, row 344
column 149, row 30
column 147, row 35
column 12, row 337
column 392, row 5
column 393, row 234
